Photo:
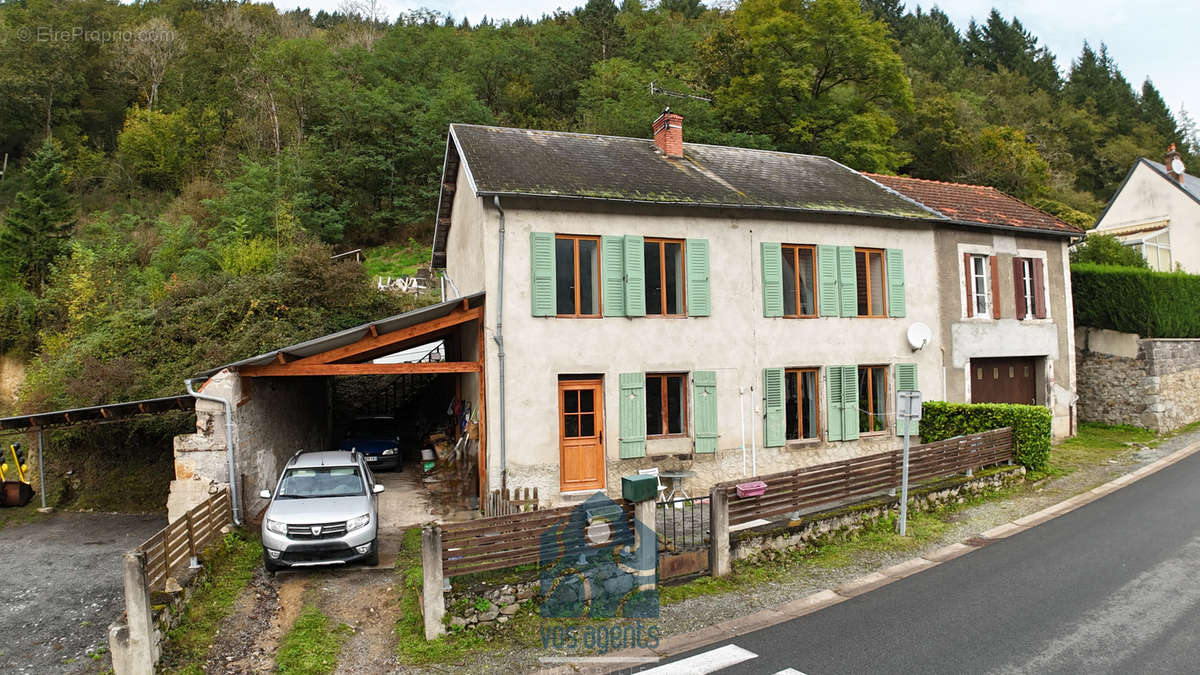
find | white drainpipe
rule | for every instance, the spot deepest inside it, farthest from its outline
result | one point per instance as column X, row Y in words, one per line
column 234, row 495
column 499, row 338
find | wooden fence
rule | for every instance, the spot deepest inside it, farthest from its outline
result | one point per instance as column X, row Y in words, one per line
column 172, row 547
column 839, row 482
column 508, row 541
column 508, row 502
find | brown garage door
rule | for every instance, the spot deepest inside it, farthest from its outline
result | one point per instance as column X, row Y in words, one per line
column 1003, row 381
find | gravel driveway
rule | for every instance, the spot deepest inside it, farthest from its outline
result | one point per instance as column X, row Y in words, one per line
column 60, row 587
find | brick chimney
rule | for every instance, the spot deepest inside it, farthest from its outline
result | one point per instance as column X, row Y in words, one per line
column 668, row 133
column 1174, row 163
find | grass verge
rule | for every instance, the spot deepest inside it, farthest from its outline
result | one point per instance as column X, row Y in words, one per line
column 411, row 645
column 229, row 566
column 1095, row 444
column 311, row 647
column 19, row 515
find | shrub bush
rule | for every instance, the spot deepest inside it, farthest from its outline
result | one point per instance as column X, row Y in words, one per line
column 1030, row 423
column 1151, row 304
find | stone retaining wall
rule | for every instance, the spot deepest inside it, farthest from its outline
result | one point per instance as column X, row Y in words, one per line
column 1146, row 382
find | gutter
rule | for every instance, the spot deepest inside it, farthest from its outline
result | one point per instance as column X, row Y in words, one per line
column 498, row 336
column 234, row 495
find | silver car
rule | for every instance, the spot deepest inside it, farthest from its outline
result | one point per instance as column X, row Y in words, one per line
column 323, row 512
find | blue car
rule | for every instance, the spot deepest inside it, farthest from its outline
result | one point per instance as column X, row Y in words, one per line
column 377, row 440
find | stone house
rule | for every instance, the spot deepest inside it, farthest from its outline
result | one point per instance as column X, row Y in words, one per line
column 728, row 311
column 1156, row 210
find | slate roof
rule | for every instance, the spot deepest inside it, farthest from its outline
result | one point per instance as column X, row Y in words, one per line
column 505, row 161
column 975, row 204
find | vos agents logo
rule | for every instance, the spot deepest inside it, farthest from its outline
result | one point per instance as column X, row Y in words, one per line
column 599, row 562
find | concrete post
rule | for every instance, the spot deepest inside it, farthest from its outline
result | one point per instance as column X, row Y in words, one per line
column 718, row 524
column 433, row 602
column 647, row 551
column 138, row 650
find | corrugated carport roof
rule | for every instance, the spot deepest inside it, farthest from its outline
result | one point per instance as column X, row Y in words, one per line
column 97, row 413
column 352, row 335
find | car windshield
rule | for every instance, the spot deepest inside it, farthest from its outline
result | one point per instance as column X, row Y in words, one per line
column 322, row 481
column 373, row 428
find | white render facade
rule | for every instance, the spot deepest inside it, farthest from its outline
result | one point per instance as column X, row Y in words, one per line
column 1158, row 213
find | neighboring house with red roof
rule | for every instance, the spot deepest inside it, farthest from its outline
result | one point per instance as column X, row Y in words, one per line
column 1005, row 296
column 1156, row 210
column 656, row 303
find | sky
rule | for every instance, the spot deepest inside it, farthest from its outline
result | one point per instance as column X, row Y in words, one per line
column 1146, row 40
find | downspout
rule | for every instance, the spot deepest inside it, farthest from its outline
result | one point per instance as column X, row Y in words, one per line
column 498, row 336
column 234, row 495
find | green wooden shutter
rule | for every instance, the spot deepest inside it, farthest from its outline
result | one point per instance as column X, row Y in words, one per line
column 773, row 404
column 704, row 403
column 833, row 381
column 541, row 264
column 895, row 281
column 633, row 415
column 849, row 403
column 699, row 299
column 906, row 380
column 828, row 302
column 772, row 278
column 612, row 253
column 847, row 281
column 635, row 276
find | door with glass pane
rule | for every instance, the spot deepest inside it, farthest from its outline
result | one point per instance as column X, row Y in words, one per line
column 581, row 434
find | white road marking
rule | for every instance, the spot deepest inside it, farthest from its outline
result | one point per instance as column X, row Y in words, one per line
column 789, row 671
column 707, row 662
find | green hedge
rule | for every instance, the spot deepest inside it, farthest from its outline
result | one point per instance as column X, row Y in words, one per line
column 1030, row 423
column 1151, row 304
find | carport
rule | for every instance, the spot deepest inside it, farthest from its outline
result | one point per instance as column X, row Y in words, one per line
column 271, row 405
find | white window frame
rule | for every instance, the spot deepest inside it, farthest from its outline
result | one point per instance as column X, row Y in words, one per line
column 965, row 273
column 980, row 286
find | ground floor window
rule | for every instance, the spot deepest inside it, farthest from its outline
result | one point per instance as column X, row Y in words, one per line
column 872, row 399
column 801, row 410
column 666, row 404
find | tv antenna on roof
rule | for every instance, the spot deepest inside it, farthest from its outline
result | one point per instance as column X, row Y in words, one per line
column 657, row 90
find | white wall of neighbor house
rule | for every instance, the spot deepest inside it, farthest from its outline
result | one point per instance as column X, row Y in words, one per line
column 736, row 341
column 1147, row 196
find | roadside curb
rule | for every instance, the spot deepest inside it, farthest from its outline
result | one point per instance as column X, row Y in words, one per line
column 685, row 642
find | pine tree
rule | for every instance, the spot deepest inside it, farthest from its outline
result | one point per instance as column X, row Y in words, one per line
column 1153, row 110
column 42, row 216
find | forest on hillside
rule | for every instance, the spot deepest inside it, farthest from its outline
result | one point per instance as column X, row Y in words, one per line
column 179, row 171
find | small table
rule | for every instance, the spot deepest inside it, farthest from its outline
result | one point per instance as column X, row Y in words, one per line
column 676, row 478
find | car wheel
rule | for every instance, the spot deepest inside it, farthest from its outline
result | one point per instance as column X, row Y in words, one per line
column 270, row 566
column 372, row 559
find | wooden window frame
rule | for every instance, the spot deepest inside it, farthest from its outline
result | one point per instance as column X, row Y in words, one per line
column 662, row 275
column 797, row 372
column 871, row 401
column 576, row 238
column 794, row 249
column 882, row 253
column 684, row 407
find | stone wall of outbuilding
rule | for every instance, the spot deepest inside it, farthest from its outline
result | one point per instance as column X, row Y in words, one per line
column 1146, row 382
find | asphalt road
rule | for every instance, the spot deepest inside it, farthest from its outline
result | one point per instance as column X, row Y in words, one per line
column 1111, row 587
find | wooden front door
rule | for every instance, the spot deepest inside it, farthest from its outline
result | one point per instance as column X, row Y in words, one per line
column 1003, row 381
column 581, row 434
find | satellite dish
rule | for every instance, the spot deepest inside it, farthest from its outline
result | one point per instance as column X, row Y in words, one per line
column 919, row 336
column 1177, row 166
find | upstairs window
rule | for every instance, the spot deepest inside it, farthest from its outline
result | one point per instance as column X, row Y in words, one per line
column 799, row 275
column 982, row 285
column 868, row 268
column 665, row 280
column 1029, row 286
column 577, row 275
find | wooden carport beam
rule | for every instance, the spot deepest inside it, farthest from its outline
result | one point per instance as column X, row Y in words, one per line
column 371, row 343
column 297, row 368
